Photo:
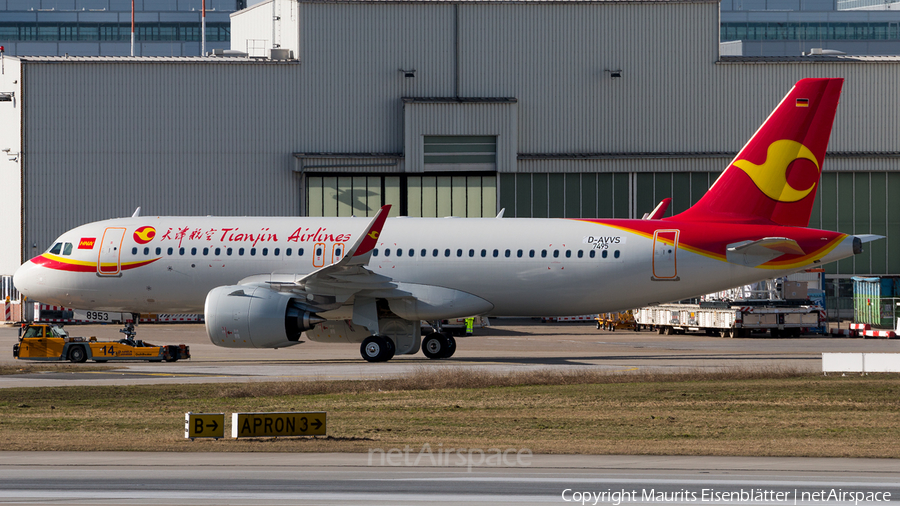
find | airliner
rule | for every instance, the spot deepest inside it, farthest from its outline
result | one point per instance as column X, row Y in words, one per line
column 264, row 282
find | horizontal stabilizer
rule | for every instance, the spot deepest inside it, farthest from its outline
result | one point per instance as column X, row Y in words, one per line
column 754, row 253
column 864, row 238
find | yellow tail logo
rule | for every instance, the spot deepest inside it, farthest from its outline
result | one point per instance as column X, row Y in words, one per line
column 771, row 176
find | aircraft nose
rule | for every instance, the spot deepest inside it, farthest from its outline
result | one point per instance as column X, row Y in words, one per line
column 26, row 279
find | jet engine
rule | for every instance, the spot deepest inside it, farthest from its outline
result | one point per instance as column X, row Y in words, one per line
column 247, row 316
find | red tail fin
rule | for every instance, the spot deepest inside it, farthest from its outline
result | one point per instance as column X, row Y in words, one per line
column 775, row 176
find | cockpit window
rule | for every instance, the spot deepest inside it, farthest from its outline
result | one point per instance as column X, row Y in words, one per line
column 67, row 249
column 56, row 248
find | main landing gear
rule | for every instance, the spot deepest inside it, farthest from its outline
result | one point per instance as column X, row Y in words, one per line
column 377, row 349
column 439, row 345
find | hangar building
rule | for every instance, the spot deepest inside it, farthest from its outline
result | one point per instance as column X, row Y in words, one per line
column 564, row 108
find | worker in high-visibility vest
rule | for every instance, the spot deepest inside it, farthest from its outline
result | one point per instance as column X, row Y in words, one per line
column 470, row 325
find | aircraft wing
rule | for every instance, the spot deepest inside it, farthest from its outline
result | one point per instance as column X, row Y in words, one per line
column 350, row 274
column 753, row 253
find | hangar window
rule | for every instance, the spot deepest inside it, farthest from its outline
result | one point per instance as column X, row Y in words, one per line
column 134, row 251
column 460, row 152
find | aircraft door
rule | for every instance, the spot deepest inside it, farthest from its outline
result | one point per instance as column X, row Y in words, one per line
column 319, row 254
column 665, row 255
column 110, row 261
column 337, row 252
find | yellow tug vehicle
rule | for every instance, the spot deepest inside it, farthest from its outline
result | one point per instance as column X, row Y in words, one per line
column 39, row 341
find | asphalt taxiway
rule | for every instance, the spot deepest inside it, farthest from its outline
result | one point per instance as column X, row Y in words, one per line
column 508, row 345
column 128, row 478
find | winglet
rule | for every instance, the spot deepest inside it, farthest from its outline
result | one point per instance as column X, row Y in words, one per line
column 368, row 241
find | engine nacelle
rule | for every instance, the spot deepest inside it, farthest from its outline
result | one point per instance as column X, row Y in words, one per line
column 247, row 316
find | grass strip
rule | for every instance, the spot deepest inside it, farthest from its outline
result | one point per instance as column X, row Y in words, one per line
column 752, row 413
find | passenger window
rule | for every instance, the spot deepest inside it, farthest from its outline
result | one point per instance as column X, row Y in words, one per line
column 181, row 251
column 580, row 254
column 240, row 251
column 193, row 251
column 556, row 253
column 399, row 252
column 568, row 253
column 604, row 253
column 134, row 251
column 277, row 251
column 483, row 253
column 218, row 251
column 287, row 252
column 265, row 251
column 299, row 252
column 146, row 251
column 543, row 253
column 496, row 253
column 158, row 251
column 253, row 252
column 520, row 253
column 387, row 252
column 507, row 253
column 616, row 254
column 169, row 251
column 593, row 253
column 56, row 248
column 471, row 253
column 375, row 252
column 423, row 252
column 459, row 252
column 434, row 252
column 531, row 254
column 67, row 250
column 447, row 252
column 412, row 252
column 205, row 251
column 228, row 251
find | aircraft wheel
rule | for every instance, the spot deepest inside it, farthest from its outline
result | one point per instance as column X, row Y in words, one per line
column 77, row 354
column 434, row 346
column 449, row 346
column 390, row 346
column 376, row 349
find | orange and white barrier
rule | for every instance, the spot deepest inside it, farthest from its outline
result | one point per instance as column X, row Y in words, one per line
column 889, row 334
